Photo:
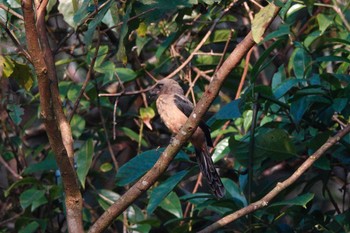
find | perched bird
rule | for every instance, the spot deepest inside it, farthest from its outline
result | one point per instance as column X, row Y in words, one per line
column 174, row 109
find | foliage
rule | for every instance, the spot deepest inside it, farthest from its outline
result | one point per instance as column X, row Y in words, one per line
column 297, row 80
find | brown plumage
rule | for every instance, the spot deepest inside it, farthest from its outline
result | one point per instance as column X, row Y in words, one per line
column 174, row 109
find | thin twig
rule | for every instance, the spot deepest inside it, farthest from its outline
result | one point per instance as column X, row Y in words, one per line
column 8, row 167
column 201, row 43
column 225, row 50
column 87, row 79
column 245, row 72
column 8, row 9
column 16, row 41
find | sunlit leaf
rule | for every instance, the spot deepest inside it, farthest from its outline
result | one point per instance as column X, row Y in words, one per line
column 261, row 20
column 172, row 204
column 10, row 68
column 133, row 135
column 221, row 149
column 324, row 21
column 78, row 125
column 126, row 74
column 106, row 167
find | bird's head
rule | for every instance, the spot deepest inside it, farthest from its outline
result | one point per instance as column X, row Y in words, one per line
column 165, row 86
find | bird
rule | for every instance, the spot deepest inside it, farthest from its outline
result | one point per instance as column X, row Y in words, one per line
column 174, row 109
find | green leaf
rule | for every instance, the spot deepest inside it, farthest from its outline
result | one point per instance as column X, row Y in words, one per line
column 106, row 198
column 84, row 160
column 136, row 167
column 247, row 120
column 147, row 113
column 30, row 228
column 259, row 65
column 108, row 68
column 218, row 36
column 297, row 201
column 165, row 44
column 141, row 42
column 333, row 59
column 172, row 205
column 139, row 165
column 161, row 191
column 7, row 66
column 235, row 192
column 261, row 21
column 66, row 9
column 160, row 8
column 106, row 167
column 324, row 21
column 32, row 197
column 89, row 35
column 298, row 108
column 274, row 144
column 76, row 19
column 48, row 164
column 227, row 112
column 15, row 113
column 339, row 104
column 283, row 30
column 126, row 74
column 221, row 149
column 281, row 89
column 73, row 92
column 78, row 126
column 121, row 53
column 18, row 71
column 301, row 63
column 133, row 136
column 24, row 181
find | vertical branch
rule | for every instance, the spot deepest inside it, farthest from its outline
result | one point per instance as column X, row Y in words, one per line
column 63, row 124
column 51, row 110
column 251, row 155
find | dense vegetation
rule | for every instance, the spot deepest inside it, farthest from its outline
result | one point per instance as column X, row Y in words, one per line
column 285, row 99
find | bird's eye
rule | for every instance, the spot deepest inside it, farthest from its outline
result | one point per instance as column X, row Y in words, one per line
column 160, row 86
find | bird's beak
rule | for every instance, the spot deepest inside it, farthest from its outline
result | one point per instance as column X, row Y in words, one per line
column 153, row 93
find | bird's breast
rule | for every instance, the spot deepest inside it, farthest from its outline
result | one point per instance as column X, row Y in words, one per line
column 172, row 117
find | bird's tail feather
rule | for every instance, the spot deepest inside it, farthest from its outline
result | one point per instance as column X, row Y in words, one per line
column 207, row 168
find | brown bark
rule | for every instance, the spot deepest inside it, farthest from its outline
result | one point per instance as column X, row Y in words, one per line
column 57, row 127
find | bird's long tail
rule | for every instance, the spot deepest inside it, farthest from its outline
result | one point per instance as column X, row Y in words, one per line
column 207, row 168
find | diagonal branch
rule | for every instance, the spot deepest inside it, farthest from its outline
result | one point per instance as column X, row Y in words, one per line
column 280, row 186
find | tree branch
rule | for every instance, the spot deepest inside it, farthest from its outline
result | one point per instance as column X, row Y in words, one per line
column 280, row 186
column 57, row 127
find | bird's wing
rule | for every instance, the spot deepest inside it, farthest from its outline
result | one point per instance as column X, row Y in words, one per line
column 186, row 107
